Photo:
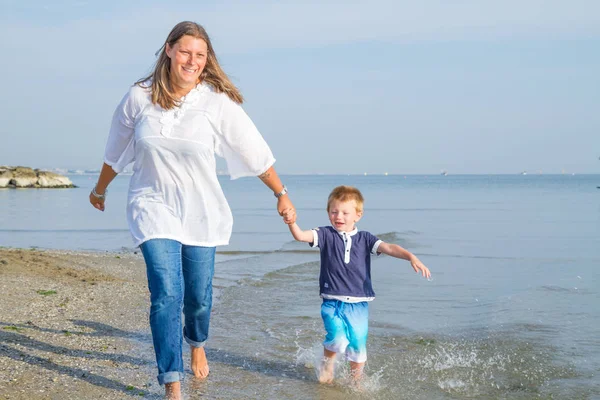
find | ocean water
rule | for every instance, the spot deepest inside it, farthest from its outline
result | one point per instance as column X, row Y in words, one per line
column 512, row 310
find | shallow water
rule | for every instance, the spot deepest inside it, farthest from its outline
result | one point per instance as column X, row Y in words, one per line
column 512, row 310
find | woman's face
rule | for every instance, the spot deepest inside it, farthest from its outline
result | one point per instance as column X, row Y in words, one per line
column 188, row 58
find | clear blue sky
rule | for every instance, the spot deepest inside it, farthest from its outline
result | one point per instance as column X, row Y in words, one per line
column 468, row 86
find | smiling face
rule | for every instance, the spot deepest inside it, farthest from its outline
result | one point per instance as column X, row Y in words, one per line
column 343, row 215
column 188, row 57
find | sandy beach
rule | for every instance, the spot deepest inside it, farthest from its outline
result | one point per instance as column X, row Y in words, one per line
column 72, row 326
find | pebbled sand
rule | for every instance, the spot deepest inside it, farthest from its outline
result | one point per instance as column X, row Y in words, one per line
column 74, row 326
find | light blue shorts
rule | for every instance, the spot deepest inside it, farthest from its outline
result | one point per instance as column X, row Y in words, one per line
column 347, row 327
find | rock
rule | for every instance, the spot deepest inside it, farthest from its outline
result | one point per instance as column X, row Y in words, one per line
column 52, row 180
column 5, row 177
column 24, row 177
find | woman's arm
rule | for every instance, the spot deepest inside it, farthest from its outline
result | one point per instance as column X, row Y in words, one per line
column 284, row 204
column 107, row 174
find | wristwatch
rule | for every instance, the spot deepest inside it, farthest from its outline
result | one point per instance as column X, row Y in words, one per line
column 283, row 191
column 99, row 196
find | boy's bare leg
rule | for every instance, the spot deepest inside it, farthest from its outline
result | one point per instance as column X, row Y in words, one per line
column 356, row 371
column 173, row 391
column 199, row 363
column 327, row 367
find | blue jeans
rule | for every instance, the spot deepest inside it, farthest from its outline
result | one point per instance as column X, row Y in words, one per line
column 179, row 276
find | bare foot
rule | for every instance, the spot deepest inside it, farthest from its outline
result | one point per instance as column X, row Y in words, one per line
column 326, row 370
column 199, row 363
column 173, row 391
column 357, row 385
column 356, row 375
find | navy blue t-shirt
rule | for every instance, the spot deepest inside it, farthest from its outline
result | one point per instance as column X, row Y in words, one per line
column 345, row 261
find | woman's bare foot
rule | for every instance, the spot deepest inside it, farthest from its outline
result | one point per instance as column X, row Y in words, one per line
column 173, row 391
column 199, row 363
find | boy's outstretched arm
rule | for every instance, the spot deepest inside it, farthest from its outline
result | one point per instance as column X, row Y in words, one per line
column 300, row 235
column 399, row 252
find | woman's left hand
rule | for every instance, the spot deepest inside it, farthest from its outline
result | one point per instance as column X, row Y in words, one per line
column 286, row 209
column 97, row 202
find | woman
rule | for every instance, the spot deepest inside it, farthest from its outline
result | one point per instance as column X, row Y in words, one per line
column 170, row 125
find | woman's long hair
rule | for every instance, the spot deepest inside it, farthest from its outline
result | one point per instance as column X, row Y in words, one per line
column 162, row 91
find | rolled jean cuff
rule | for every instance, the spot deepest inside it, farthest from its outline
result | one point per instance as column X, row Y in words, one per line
column 193, row 343
column 170, row 377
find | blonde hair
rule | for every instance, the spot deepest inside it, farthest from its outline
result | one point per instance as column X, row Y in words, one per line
column 162, row 91
column 346, row 193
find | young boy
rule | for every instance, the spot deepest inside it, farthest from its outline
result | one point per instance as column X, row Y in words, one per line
column 345, row 278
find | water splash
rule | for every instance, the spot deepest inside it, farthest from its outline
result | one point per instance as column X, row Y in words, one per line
column 489, row 367
column 312, row 357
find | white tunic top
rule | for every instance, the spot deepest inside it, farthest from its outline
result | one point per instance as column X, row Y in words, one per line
column 174, row 192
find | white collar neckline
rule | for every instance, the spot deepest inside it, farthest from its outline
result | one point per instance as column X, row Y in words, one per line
column 351, row 233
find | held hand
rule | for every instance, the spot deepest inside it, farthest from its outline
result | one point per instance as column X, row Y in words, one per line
column 418, row 266
column 286, row 209
column 96, row 202
column 289, row 216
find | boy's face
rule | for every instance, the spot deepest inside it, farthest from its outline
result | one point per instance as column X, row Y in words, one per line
column 343, row 215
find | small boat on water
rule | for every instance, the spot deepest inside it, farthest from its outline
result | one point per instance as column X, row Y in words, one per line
column 443, row 173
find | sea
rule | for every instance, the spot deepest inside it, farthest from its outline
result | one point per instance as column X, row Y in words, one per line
column 512, row 310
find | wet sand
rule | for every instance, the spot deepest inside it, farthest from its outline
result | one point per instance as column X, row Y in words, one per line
column 74, row 326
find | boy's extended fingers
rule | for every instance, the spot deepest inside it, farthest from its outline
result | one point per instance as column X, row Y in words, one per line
column 419, row 267
column 426, row 272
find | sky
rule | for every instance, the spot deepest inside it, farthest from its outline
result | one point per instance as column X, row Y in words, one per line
column 339, row 87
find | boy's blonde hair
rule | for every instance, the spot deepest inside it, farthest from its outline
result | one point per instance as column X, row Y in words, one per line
column 346, row 193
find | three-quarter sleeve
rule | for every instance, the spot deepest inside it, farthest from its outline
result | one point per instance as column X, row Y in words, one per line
column 120, row 146
column 239, row 141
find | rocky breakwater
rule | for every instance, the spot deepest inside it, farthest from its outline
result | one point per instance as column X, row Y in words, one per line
column 24, row 177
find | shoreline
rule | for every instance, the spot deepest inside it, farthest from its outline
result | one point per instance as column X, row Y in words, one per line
column 74, row 325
